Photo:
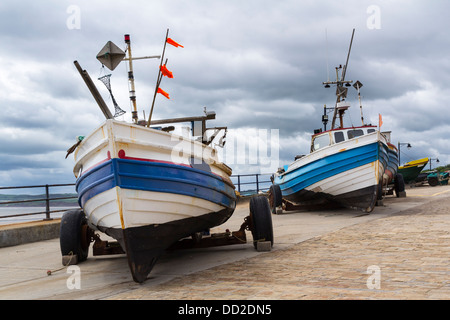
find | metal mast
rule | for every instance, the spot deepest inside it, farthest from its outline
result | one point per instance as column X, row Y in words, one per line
column 131, row 80
column 340, row 90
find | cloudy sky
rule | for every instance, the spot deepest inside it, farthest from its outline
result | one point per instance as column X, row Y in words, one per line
column 258, row 64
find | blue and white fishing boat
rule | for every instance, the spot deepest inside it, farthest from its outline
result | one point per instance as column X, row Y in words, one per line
column 145, row 186
column 347, row 171
column 346, row 165
column 148, row 188
column 391, row 171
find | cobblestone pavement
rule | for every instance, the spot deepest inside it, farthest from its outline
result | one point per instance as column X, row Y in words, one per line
column 404, row 256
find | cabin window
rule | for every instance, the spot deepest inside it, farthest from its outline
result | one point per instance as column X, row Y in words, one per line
column 354, row 133
column 339, row 136
column 321, row 141
column 370, row 130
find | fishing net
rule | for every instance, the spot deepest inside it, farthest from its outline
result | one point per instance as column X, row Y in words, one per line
column 106, row 81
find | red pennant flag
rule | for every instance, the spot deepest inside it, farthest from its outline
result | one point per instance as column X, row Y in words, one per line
column 380, row 120
column 166, row 71
column 170, row 41
column 165, row 94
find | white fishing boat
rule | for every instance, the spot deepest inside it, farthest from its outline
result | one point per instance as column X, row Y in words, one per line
column 346, row 165
column 146, row 186
column 135, row 182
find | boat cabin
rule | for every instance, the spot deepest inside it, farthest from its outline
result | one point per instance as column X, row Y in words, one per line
column 330, row 137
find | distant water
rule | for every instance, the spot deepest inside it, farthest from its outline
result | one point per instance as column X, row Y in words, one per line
column 7, row 211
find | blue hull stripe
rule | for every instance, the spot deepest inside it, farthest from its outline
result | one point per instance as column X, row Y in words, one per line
column 154, row 176
column 392, row 161
column 324, row 168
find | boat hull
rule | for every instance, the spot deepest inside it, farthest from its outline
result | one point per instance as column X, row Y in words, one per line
column 347, row 173
column 411, row 170
column 146, row 243
column 149, row 189
column 392, row 165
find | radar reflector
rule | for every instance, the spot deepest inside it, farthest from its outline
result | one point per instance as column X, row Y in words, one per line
column 358, row 85
column 111, row 55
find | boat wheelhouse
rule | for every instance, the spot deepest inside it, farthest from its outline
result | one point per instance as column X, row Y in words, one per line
column 328, row 138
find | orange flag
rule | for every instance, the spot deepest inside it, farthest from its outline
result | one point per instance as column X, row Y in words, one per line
column 170, row 41
column 165, row 94
column 166, row 71
column 380, row 120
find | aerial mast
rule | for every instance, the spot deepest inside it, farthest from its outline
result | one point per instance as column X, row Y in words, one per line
column 340, row 91
column 131, row 79
column 358, row 86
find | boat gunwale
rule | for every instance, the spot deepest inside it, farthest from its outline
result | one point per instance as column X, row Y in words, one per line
column 350, row 142
column 120, row 139
column 115, row 176
column 339, row 164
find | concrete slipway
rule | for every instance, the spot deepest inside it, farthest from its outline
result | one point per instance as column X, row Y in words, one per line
column 23, row 268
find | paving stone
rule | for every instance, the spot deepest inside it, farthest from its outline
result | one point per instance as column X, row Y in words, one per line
column 411, row 250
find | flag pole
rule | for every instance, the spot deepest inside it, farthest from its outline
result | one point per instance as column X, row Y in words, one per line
column 158, row 80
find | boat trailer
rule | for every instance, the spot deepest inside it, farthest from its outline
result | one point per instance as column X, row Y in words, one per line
column 258, row 222
column 197, row 240
column 278, row 204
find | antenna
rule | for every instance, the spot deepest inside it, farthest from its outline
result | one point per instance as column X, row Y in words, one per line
column 340, row 91
column 358, row 85
column 326, row 41
column 131, row 79
column 348, row 56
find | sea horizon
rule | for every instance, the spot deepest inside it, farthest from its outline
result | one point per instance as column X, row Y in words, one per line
column 7, row 211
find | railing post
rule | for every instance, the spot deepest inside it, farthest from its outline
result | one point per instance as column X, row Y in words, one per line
column 47, row 203
column 257, row 183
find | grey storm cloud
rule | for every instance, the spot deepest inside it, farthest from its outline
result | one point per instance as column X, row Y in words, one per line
column 257, row 64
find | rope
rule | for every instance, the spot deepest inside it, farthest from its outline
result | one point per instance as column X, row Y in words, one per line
column 49, row 272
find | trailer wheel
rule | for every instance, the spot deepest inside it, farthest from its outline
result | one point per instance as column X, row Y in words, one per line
column 74, row 234
column 433, row 181
column 379, row 192
column 275, row 197
column 260, row 220
column 399, row 184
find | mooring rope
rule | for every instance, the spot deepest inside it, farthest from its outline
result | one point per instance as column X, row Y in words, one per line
column 50, row 272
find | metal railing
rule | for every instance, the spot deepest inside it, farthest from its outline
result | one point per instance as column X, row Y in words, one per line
column 244, row 180
column 260, row 181
column 47, row 200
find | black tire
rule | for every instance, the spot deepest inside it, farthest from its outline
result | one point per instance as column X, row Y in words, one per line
column 433, row 181
column 380, row 192
column 260, row 220
column 399, row 184
column 275, row 197
column 71, row 234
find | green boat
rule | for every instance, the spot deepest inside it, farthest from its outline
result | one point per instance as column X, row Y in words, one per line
column 411, row 170
column 438, row 178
